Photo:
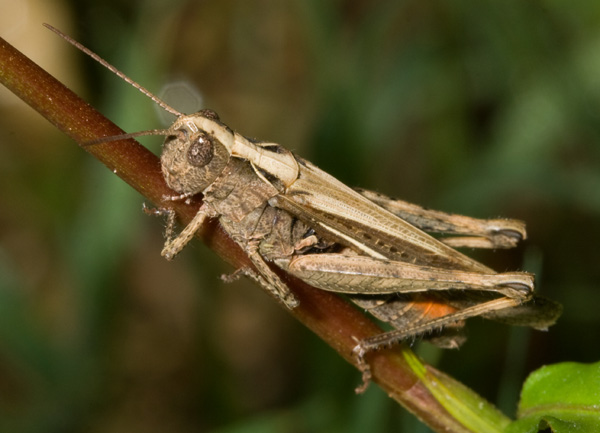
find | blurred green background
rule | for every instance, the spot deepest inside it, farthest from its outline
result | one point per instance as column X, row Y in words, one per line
column 485, row 108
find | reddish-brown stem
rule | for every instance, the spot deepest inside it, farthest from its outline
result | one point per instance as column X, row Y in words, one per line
column 329, row 316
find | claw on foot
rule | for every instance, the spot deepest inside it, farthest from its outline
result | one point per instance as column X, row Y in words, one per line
column 235, row 275
column 288, row 299
column 359, row 352
column 291, row 302
column 154, row 211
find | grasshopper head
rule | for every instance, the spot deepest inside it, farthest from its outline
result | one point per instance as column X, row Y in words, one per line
column 195, row 152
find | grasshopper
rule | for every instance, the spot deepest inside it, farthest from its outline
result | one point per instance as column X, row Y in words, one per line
column 283, row 210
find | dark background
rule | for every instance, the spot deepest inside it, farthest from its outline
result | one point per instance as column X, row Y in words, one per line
column 483, row 108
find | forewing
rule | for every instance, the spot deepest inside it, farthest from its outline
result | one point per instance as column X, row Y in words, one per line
column 329, row 205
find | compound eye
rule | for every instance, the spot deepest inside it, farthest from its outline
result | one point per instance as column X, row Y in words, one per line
column 201, row 151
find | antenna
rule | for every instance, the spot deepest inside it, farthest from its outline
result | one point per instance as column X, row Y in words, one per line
column 114, row 70
column 108, row 139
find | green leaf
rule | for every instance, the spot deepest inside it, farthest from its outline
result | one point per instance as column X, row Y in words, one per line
column 472, row 411
column 560, row 398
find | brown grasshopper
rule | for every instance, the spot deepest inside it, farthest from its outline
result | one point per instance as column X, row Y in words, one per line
column 281, row 209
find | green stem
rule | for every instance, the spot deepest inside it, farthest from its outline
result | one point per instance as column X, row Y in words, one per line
column 401, row 375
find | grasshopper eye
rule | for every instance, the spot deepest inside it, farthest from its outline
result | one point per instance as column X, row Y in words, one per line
column 192, row 158
column 201, row 151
